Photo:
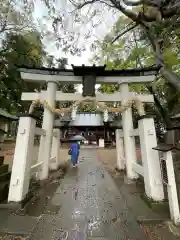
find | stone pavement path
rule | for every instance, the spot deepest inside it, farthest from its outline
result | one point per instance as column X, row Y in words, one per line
column 90, row 207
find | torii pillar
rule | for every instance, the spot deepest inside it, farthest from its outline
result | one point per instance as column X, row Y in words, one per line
column 47, row 125
column 129, row 141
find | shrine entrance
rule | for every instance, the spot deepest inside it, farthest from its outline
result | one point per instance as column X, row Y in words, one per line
column 90, row 126
column 50, row 133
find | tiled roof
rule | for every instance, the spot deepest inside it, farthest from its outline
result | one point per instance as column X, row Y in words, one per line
column 7, row 115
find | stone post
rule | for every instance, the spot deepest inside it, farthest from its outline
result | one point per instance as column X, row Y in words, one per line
column 120, row 149
column 129, row 141
column 172, row 190
column 150, row 159
column 55, row 151
column 101, row 143
column 21, row 169
column 46, row 141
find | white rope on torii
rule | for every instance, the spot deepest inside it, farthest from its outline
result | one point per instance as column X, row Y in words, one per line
column 100, row 107
column 124, row 106
column 58, row 111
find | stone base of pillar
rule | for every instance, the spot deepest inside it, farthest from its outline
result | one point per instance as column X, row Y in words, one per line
column 129, row 181
column 156, row 206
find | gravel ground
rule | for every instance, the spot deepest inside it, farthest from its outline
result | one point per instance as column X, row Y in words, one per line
column 108, row 159
column 12, row 237
column 154, row 231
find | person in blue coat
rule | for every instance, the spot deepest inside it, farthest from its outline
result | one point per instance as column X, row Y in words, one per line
column 75, row 148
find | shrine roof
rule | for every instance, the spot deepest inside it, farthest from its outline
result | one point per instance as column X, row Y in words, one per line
column 96, row 70
column 83, row 119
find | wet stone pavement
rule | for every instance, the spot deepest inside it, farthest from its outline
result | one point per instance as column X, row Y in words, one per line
column 90, row 207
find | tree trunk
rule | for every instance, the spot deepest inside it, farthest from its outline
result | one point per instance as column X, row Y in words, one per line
column 168, row 74
column 171, row 77
column 163, row 112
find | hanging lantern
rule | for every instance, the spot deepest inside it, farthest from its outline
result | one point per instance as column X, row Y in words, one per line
column 106, row 115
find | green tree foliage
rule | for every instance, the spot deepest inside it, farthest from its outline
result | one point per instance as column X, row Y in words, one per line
column 21, row 44
column 61, row 63
column 84, row 107
column 133, row 51
column 15, row 22
column 15, row 17
column 156, row 21
column 23, row 49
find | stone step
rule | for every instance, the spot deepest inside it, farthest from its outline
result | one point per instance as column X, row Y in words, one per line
column 4, row 168
column 18, row 225
column 1, row 160
column 5, row 176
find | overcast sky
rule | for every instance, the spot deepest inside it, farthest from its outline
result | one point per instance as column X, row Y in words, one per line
column 97, row 33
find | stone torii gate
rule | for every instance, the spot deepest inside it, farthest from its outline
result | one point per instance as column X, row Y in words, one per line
column 125, row 140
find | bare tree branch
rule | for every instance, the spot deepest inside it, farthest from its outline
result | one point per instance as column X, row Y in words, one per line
column 79, row 6
column 125, row 31
column 164, row 9
column 155, row 45
column 141, row 2
column 161, row 109
column 124, row 10
column 132, row 3
column 104, row 2
column 170, row 11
